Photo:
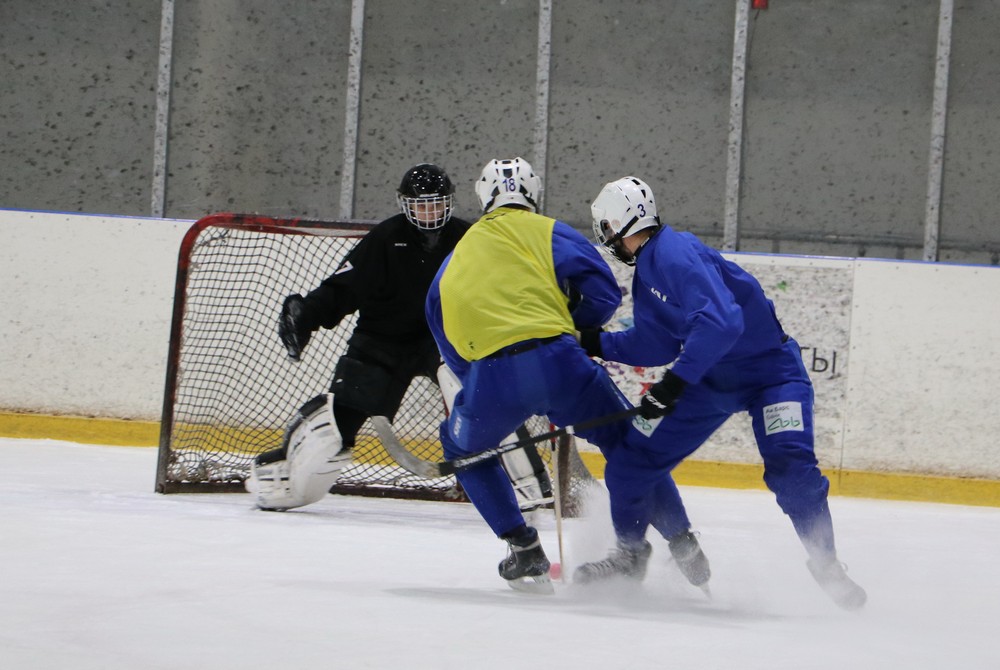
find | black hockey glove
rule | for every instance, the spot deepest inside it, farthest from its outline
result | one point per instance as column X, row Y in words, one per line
column 292, row 327
column 573, row 295
column 590, row 340
column 662, row 397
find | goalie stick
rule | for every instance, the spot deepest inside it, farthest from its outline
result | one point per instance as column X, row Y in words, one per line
column 431, row 469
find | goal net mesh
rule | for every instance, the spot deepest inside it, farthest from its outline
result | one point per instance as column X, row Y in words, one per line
column 231, row 388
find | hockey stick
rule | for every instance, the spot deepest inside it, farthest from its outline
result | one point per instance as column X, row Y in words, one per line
column 430, row 469
column 557, row 503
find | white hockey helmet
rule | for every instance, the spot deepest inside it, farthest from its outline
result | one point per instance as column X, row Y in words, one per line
column 623, row 208
column 508, row 182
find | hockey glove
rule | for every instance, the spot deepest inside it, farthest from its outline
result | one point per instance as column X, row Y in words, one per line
column 662, row 397
column 590, row 340
column 292, row 327
column 574, row 295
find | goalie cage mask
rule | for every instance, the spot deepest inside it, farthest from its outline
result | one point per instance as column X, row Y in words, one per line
column 426, row 196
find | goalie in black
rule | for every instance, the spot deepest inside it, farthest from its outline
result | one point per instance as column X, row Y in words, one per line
column 384, row 279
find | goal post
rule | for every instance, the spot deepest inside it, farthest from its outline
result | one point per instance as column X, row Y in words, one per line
column 230, row 387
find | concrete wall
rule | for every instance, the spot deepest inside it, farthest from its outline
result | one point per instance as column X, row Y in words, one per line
column 972, row 154
column 838, row 122
column 903, row 355
column 838, row 111
column 77, row 105
column 256, row 108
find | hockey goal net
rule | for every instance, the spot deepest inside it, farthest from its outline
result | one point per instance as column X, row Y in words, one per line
column 231, row 389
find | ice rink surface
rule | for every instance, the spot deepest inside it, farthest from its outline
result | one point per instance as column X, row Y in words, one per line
column 97, row 571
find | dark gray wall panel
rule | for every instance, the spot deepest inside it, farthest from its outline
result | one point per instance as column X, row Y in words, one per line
column 443, row 81
column 970, row 208
column 640, row 88
column 257, row 107
column 838, row 111
column 838, row 118
column 77, row 103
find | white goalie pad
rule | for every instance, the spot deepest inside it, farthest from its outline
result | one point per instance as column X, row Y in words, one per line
column 315, row 458
column 526, row 475
column 449, row 384
column 525, row 471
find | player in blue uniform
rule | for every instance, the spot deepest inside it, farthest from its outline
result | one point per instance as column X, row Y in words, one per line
column 713, row 322
column 500, row 313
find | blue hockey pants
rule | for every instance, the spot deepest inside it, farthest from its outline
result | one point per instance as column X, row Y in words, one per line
column 553, row 378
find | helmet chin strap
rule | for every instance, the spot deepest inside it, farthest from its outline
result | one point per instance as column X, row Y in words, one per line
column 616, row 245
column 623, row 233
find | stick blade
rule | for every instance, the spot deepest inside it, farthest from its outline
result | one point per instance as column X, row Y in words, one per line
column 406, row 460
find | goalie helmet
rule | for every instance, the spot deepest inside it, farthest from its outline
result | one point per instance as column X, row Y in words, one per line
column 508, row 182
column 623, row 208
column 426, row 196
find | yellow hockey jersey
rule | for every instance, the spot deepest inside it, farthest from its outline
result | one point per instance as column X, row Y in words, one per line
column 500, row 286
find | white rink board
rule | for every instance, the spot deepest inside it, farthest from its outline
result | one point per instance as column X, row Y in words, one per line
column 85, row 313
column 812, row 298
column 925, row 370
column 903, row 355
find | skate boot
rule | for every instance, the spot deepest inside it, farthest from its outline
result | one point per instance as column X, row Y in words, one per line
column 690, row 559
column 526, row 567
column 623, row 561
column 832, row 577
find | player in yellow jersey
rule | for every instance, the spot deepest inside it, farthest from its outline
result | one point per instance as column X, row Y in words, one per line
column 499, row 309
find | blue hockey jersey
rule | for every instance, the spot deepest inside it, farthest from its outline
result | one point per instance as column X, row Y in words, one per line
column 692, row 305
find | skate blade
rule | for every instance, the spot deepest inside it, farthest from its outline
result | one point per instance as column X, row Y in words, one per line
column 707, row 591
column 540, row 585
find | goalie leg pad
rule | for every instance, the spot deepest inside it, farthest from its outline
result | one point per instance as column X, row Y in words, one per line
column 525, row 467
column 449, row 385
column 315, row 457
column 528, row 474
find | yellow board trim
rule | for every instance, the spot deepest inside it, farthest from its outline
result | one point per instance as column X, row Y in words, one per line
column 129, row 433
column 89, row 430
column 850, row 483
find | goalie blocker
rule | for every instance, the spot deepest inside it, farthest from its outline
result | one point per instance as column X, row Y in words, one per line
column 311, row 458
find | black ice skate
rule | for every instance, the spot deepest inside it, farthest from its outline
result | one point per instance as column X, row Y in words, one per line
column 832, row 576
column 690, row 559
column 623, row 561
column 526, row 567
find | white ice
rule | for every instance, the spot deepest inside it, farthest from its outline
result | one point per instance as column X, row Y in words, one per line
column 97, row 571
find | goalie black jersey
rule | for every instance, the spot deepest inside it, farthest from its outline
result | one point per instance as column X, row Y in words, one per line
column 385, row 279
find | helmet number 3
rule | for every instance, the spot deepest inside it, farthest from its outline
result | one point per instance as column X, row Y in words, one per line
column 641, row 208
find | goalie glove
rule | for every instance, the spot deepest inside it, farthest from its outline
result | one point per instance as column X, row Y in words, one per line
column 293, row 329
column 661, row 398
